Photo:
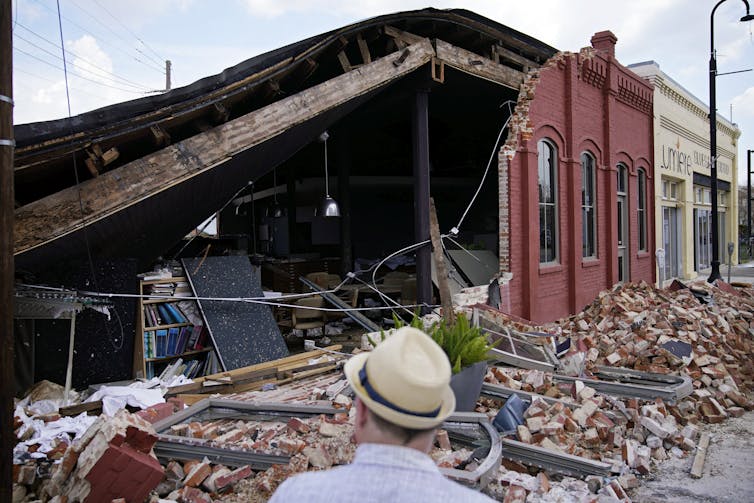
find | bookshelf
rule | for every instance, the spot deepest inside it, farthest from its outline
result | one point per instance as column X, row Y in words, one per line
column 170, row 331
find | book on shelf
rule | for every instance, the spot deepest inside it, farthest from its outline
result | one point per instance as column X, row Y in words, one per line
column 183, row 336
column 165, row 315
column 161, row 343
column 190, row 310
column 149, row 344
column 173, row 333
column 196, row 330
column 211, row 364
column 176, row 316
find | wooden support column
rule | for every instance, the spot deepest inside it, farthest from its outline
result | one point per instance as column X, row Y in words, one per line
column 420, row 145
column 440, row 267
column 6, row 254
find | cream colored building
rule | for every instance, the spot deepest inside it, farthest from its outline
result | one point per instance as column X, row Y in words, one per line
column 682, row 179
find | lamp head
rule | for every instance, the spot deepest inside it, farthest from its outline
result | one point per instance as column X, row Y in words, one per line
column 328, row 208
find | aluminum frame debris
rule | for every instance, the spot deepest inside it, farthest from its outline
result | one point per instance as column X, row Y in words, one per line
column 521, row 352
column 629, row 383
column 185, row 448
column 482, row 474
column 501, row 392
column 546, row 459
column 356, row 316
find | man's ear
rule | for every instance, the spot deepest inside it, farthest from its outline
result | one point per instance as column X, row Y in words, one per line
column 362, row 413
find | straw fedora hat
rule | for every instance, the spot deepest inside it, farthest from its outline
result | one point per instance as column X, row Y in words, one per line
column 404, row 380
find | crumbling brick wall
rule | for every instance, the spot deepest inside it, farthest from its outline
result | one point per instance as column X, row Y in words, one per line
column 579, row 102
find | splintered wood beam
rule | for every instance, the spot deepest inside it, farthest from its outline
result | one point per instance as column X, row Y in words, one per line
column 97, row 159
column 402, row 37
column 344, row 61
column 60, row 214
column 160, row 137
column 442, row 269
column 304, row 70
column 270, row 89
column 500, row 52
column 220, row 114
column 477, row 65
column 364, row 49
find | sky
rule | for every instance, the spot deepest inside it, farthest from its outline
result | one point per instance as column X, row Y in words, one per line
column 116, row 50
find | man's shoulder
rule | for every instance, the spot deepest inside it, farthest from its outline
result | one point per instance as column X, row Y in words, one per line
column 306, row 484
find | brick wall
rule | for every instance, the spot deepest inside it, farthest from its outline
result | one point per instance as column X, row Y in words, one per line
column 584, row 101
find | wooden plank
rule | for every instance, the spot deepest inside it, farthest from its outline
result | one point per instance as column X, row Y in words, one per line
column 366, row 58
column 477, row 65
column 442, row 270
column 701, row 453
column 513, row 57
column 344, row 63
column 280, row 363
column 75, row 410
column 59, row 214
column 404, row 36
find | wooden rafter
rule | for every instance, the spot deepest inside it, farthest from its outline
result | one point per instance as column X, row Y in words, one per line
column 57, row 215
column 477, row 65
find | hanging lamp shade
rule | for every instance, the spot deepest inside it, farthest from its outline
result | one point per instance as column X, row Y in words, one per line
column 328, row 207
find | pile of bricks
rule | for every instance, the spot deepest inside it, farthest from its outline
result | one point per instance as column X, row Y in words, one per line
column 631, row 326
column 113, row 459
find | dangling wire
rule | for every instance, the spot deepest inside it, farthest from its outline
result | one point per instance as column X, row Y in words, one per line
column 454, row 230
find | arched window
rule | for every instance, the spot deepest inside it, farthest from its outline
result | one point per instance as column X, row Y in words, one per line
column 642, row 209
column 547, row 165
column 588, row 207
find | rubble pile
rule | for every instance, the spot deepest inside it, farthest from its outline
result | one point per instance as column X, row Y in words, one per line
column 670, row 331
column 706, row 333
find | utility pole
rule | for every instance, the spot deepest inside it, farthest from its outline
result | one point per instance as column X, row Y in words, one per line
column 7, row 381
column 168, row 67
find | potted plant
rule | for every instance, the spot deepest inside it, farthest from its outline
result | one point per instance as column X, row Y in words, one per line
column 466, row 347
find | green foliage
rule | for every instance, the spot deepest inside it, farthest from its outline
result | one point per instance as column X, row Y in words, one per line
column 464, row 343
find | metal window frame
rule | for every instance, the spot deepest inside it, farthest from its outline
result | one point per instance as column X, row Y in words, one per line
column 186, row 448
column 481, row 476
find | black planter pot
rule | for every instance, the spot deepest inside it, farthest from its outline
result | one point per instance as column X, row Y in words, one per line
column 467, row 384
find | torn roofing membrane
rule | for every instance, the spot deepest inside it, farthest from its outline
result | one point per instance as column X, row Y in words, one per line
column 153, row 168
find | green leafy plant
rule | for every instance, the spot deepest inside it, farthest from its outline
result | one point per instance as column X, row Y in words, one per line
column 464, row 343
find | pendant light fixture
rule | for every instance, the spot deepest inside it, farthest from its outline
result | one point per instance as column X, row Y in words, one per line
column 328, row 207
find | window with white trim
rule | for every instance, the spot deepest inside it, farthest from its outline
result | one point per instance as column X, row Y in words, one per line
column 547, row 166
column 588, row 205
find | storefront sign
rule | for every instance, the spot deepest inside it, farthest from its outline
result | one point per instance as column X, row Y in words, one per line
column 682, row 163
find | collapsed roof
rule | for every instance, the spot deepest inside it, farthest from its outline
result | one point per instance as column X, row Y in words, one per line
column 131, row 179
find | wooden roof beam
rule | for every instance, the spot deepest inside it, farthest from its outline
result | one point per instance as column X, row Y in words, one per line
column 45, row 220
column 479, row 66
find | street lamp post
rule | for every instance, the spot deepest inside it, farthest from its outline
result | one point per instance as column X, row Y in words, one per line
column 715, row 273
column 748, row 201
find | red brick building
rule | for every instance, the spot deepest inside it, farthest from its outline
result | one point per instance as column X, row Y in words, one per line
column 578, row 164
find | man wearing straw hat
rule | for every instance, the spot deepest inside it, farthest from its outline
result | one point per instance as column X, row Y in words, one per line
column 402, row 395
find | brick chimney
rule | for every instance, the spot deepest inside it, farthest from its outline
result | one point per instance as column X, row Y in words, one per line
column 605, row 41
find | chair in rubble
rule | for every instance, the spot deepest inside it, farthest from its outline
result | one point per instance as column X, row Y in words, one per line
column 308, row 315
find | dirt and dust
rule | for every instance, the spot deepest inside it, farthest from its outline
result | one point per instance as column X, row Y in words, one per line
column 728, row 474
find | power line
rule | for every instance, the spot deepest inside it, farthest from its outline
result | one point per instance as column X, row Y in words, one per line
column 80, row 57
column 75, row 74
column 150, row 64
column 160, row 59
column 91, row 70
column 53, row 81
